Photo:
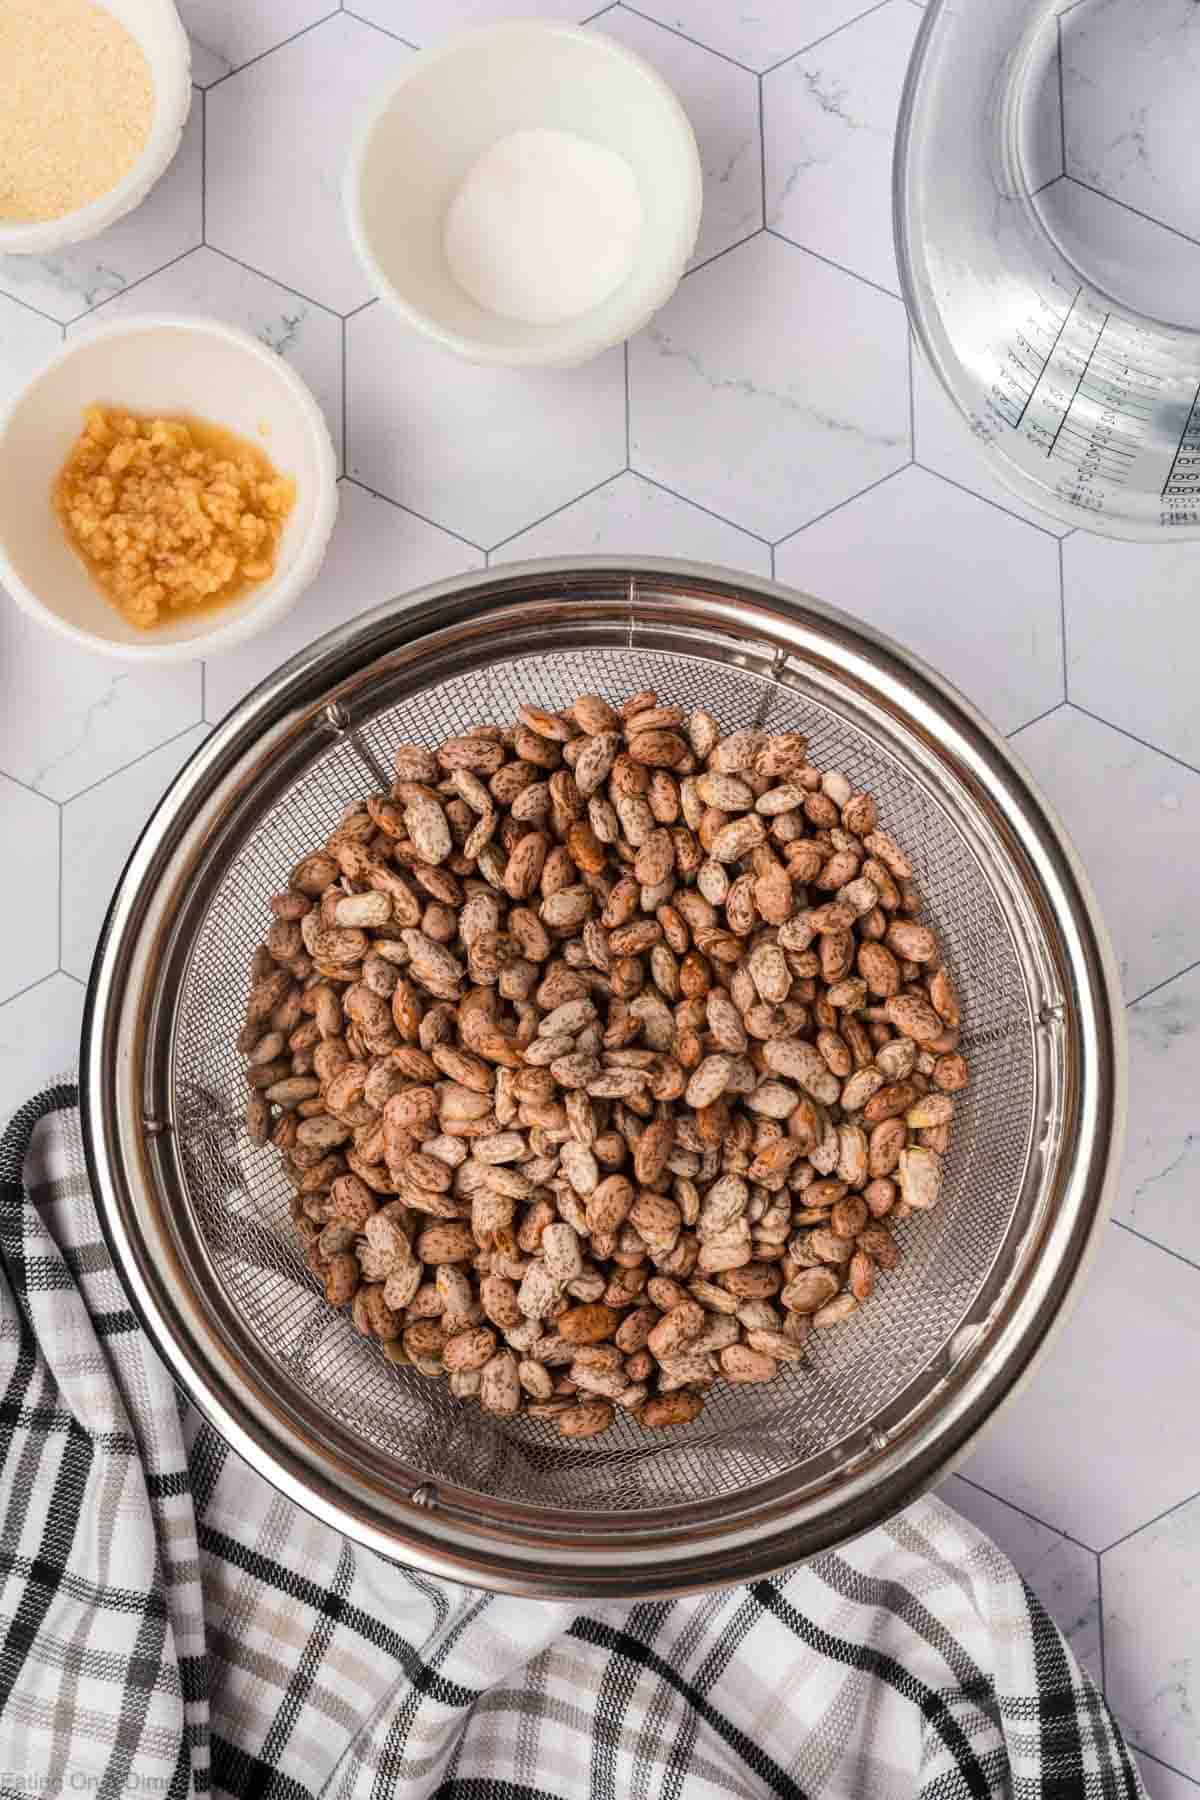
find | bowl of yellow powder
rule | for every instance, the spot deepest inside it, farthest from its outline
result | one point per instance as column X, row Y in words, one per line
column 94, row 94
column 168, row 487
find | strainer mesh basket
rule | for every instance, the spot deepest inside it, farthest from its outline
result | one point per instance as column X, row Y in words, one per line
column 745, row 1436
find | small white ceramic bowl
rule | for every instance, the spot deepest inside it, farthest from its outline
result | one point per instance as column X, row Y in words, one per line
column 155, row 26
column 163, row 365
column 447, row 106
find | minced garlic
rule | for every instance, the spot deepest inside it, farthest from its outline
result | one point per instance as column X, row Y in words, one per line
column 170, row 515
column 76, row 105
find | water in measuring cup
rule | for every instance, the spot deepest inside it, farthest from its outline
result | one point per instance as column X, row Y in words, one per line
column 1119, row 194
column 1061, row 258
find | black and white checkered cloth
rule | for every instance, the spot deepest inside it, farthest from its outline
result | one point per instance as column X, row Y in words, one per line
column 171, row 1626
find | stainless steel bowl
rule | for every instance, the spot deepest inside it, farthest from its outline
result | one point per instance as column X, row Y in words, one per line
column 197, row 1219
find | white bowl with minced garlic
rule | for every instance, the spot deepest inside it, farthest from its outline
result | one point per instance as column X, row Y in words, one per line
column 95, row 97
column 160, row 367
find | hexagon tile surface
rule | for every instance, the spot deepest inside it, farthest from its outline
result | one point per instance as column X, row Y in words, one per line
column 972, row 590
column 829, row 118
column 770, row 388
column 277, row 136
column 483, row 452
column 29, row 940
column 773, row 418
column 1128, row 809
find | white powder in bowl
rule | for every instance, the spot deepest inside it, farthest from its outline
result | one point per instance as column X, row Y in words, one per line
column 545, row 226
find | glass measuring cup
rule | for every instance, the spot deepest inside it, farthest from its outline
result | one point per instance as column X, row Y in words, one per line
column 1051, row 266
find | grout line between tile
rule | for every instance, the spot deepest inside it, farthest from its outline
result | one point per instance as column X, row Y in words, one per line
column 1062, row 618
column 718, row 254
column 203, row 165
column 1134, row 738
column 675, row 31
column 762, row 149
column 1062, row 101
column 1100, row 1608
column 628, row 409
column 830, row 510
column 1135, row 210
column 286, row 286
column 1159, row 985
column 1156, row 1245
column 1025, row 1513
column 1147, row 1523
column 807, row 250
column 196, row 725
column 29, row 788
column 30, row 987
column 60, row 886
column 699, row 506
column 375, row 26
column 988, row 500
column 912, row 397
column 345, row 405
column 98, row 306
column 1037, row 719
column 413, row 513
column 29, row 307
column 595, row 488
column 600, row 12
column 281, row 45
column 803, row 49
column 1170, row 1767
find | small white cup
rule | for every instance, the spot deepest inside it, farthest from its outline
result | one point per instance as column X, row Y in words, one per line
column 161, row 365
column 450, row 104
column 156, row 29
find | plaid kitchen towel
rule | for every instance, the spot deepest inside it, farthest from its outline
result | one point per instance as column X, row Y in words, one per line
column 170, row 1626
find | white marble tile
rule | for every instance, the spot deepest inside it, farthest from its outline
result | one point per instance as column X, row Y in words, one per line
column 426, row 21
column 942, row 442
column 25, row 343
column 1128, row 810
column 1131, row 69
column 722, row 103
column 758, row 34
column 1143, row 265
column 227, row 33
column 1062, row 1574
column 968, row 588
column 1152, row 1648
column 309, row 337
column 829, row 120
column 630, row 516
column 1133, row 637
column 770, row 388
column 482, row 451
column 1100, row 1439
column 1162, row 1783
column 377, row 552
column 278, row 133
column 166, row 224
column 29, row 898
column 69, row 717
column 99, row 830
column 39, row 1039
column 1161, row 1177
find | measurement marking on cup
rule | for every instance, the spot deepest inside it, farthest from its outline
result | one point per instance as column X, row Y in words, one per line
column 1045, row 362
column 1184, row 478
column 1070, row 403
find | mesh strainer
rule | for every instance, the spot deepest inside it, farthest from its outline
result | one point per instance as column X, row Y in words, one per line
column 198, row 1220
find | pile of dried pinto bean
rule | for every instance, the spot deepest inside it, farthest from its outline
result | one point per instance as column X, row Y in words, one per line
column 604, row 1054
